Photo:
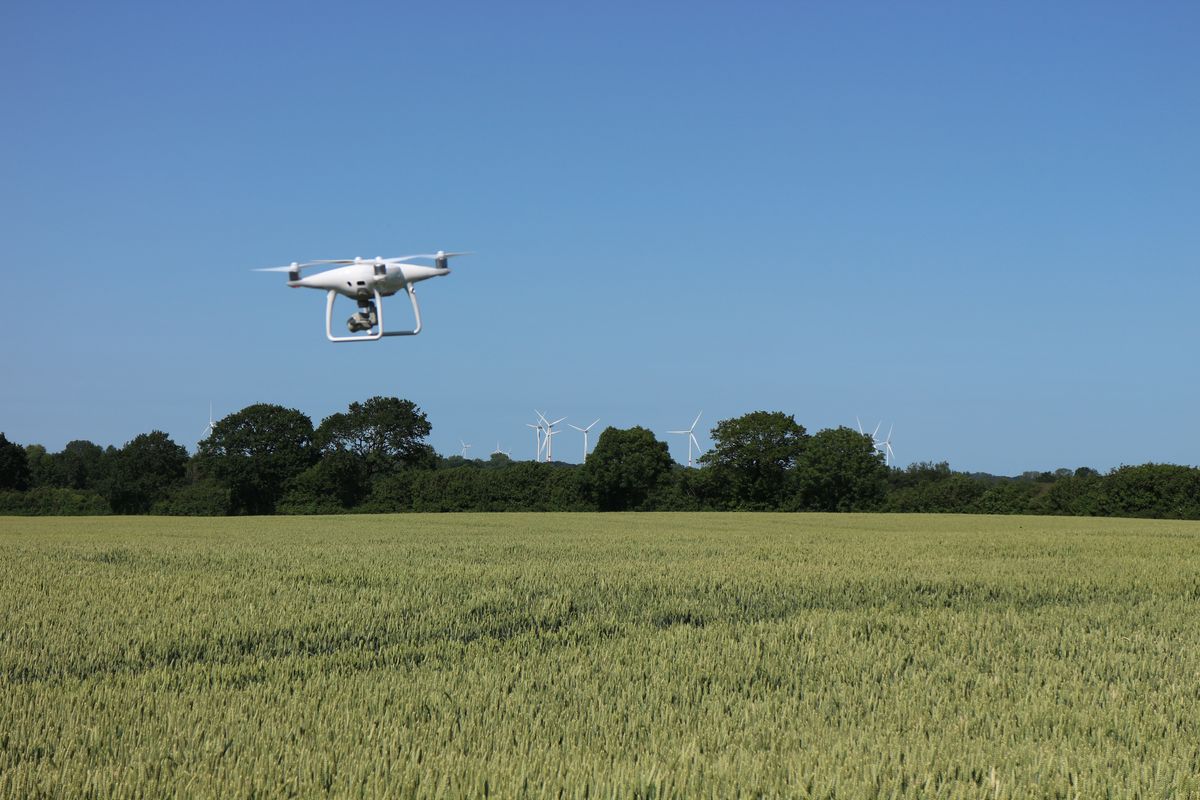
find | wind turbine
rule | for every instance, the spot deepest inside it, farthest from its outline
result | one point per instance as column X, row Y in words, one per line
column 537, row 434
column 584, row 431
column 465, row 446
column 691, row 437
column 550, row 434
column 499, row 452
column 886, row 446
column 864, row 433
column 209, row 429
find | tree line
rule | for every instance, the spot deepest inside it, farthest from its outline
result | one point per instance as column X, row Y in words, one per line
column 374, row 457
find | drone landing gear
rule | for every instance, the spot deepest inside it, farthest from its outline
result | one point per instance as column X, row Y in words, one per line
column 369, row 316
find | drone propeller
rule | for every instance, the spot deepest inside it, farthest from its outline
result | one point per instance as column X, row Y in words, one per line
column 393, row 260
column 377, row 261
column 293, row 267
column 438, row 254
column 355, row 260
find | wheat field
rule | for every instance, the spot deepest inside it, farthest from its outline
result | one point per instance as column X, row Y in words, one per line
column 581, row 655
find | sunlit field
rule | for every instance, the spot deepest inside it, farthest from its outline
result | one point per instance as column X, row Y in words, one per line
column 670, row 655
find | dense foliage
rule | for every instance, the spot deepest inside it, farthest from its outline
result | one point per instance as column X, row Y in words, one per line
column 603, row 656
column 374, row 457
column 625, row 469
column 14, row 466
column 752, row 456
column 143, row 471
column 257, row 452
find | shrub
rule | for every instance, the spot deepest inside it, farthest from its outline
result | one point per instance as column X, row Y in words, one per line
column 203, row 499
column 52, row 501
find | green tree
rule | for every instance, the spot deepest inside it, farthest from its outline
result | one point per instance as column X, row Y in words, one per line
column 1163, row 491
column 338, row 481
column 840, row 470
column 143, row 472
column 255, row 452
column 919, row 473
column 679, row 491
column 43, row 469
column 387, row 432
column 81, row 465
column 1081, row 495
column 14, row 465
column 499, row 461
column 752, row 456
column 626, row 469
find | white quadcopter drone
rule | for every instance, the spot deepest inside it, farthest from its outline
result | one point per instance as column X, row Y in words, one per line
column 367, row 281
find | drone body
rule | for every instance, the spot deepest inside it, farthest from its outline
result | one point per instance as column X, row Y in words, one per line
column 367, row 282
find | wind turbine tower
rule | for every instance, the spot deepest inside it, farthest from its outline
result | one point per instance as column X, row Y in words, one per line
column 584, row 431
column 550, row 433
column 537, row 434
column 208, row 431
column 691, row 437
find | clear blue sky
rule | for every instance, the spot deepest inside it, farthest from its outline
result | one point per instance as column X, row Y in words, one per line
column 977, row 221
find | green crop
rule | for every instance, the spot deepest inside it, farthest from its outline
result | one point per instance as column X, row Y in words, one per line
column 673, row 655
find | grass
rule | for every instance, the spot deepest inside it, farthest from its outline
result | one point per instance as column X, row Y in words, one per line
column 673, row 655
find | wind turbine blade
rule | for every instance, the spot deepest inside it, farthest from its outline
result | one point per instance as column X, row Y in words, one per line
column 552, row 424
column 683, row 433
column 876, row 429
column 694, row 441
column 697, row 419
column 890, row 429
column 860, row 430
column 540, row 416
column 589, row 427
column 576, row 427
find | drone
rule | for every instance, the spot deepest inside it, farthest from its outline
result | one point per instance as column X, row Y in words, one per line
column 367, row 281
